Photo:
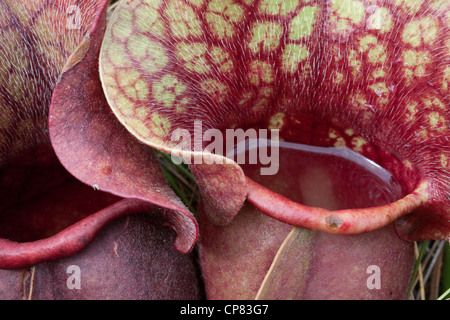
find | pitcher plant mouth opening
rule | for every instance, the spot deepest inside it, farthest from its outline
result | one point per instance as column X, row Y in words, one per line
column 337, row 188
column 339, row 192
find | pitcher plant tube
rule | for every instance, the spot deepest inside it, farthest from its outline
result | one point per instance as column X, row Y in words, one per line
column 52, row 212
column 355, row 94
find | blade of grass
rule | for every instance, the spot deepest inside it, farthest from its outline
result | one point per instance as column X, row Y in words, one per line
column 445, row 295
column 173, row 182
column 420, row 275
column 177, row 176
column 180, row 167
column 445, row 278
column 436, row 274
column 433, row 271
column 418, row 260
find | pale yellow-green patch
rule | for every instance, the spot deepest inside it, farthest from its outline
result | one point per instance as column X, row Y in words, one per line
column 346, row 15
column 439, row 5
column 409, row 7
column 349, row 132
column 133, row 5
column 292, row 56
column 367, row 42
column 221, row 58
column 117, row 54
column 108, row 70
column 436, row 121
column 130, row 81
column 432, row 101
column 24, row 11
column 214, row 89
column 138, row 45
column 377, row 74
column 141, row 87
column 142, row 113
column 161, row 126
column 333, row 133
column 423, row 30
column 355, row 63
column 219, row 26
column 380, row 89
column 407, row 164
column 122, row 27
column 193, row 56
column 338, row 78
column 376, row 52
column 156, row 58
column 411, row 110
column 222, row 16
column 422, row 135
column 266, row 34
column 340, row 143
column 148, row 19
column 358, row 100
column 140, row 127
column 260, row 72
column 183, row 20
column 276, row 121
column 278, row 7
column 302, row 24
column 121, row 103
column 167, row 89
column 126, row 80
column 415, row 63
column 444, row 160
column 349, row 9
column 381, row 20
column 358, row 143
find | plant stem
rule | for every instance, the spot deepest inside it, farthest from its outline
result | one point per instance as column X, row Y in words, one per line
column 423, row 245
column 445, row 278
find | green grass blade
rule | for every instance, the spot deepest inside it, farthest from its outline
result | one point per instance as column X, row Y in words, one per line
column 422, row 248
column 445, row 277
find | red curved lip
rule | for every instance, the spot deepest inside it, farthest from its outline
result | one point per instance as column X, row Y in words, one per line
column 74, row 238
column 349, row 221
column 68, row 241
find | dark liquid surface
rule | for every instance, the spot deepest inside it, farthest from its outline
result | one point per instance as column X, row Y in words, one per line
column 330, row 178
